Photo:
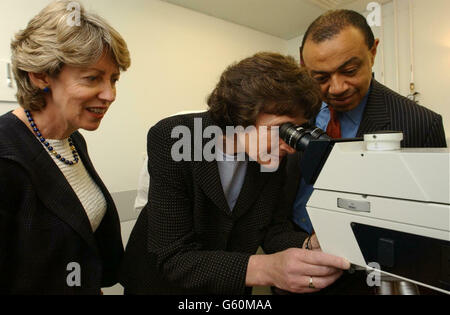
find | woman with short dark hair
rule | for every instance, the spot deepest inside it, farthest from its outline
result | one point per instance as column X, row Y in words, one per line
column 205, row 220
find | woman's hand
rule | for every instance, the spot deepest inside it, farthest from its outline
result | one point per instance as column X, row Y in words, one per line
column 296, row 270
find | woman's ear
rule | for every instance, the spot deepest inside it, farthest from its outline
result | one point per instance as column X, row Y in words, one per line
column 39, row 80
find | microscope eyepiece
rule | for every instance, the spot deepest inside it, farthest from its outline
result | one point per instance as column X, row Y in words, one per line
column 298, row 137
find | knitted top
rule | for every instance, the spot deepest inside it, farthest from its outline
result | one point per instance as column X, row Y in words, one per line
column 89, row 194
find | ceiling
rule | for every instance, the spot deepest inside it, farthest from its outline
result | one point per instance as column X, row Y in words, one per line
column 286, row 19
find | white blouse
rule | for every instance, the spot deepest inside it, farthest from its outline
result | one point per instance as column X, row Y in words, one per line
column 87, row 191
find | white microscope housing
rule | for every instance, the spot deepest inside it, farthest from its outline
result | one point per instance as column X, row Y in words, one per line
column 376, row 203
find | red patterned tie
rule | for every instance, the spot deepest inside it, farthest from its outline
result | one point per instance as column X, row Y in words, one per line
column 334, row 126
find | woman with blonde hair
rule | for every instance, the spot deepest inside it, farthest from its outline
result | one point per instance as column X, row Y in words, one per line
column 59, row 228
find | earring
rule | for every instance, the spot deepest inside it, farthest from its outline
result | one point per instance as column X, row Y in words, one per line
column 46, row 89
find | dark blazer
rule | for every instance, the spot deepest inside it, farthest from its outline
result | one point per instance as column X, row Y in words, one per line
column 385, row 110
column 44, row 227
column 186, row 240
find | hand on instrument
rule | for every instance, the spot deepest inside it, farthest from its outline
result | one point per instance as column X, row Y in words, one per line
column 305, row 271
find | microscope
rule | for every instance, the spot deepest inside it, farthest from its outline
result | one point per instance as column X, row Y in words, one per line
column 383, row 208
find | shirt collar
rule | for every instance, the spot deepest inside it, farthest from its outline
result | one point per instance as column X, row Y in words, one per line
column 355, row 115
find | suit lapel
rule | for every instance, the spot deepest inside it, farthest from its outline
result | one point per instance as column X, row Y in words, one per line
column 376, row 116
column 59, row 197
column 207, row 173
column 208, row 177
column 51, row 186
column 254, row 181
column 82, row 151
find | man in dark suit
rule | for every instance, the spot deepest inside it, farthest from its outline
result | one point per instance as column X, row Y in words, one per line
column 339, row 51
column 205, row 220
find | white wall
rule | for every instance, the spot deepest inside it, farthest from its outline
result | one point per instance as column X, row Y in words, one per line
column 294, row 47
column 177, row 58
column 431, row 29
column 432, row 55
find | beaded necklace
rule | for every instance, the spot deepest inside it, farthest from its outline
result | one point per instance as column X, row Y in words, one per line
column 49, row 147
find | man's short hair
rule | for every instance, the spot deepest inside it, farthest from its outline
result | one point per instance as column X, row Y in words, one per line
column 331, row 23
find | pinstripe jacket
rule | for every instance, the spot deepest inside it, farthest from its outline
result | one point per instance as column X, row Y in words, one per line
column 385, row 110
column 43, row 226
column 187, row 240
